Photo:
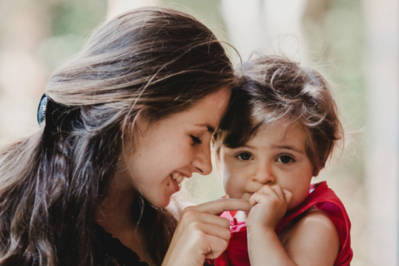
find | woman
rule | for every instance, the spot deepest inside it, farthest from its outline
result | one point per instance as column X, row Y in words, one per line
column 124, row 123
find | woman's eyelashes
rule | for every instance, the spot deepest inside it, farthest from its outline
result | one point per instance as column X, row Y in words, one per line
column 195, row 140
column 285, row 159
column 244, row 156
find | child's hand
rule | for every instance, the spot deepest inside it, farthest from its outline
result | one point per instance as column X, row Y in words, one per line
column 269, row 205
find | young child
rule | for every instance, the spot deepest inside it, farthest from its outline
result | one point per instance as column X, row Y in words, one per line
column 279, row 132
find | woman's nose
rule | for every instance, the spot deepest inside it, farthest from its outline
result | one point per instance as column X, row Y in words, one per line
column 202, row 161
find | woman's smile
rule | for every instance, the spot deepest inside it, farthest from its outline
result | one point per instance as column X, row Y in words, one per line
column 178, row 178
column 164, row 152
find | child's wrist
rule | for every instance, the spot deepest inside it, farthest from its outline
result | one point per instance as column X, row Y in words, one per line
column 260, row 234
column 261, row 228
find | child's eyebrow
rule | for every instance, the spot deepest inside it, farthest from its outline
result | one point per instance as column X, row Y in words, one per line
column 288, row 147
column 247, row 146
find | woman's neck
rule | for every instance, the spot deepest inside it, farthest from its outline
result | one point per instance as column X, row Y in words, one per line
column 115, row 212
column 115, row 216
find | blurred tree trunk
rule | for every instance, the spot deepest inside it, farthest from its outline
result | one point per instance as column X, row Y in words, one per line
column 382, row 54
column 266, row 26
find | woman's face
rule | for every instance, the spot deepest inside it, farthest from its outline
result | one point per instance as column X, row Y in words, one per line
column 166, row 152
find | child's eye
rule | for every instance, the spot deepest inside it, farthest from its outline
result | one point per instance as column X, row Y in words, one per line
column 244, row 156
column 195, row 140
column 285, row 159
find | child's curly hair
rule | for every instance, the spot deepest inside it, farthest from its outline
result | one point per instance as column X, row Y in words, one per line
column 272, row 88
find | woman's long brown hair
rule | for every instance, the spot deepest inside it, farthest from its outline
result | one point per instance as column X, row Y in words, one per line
column 154, row 61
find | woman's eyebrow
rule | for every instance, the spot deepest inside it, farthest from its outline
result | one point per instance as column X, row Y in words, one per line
column 210, row 128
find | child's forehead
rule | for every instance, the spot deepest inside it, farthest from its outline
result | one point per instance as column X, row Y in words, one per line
column 280, row 131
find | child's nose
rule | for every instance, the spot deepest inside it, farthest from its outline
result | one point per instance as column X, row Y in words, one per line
column 264, row 175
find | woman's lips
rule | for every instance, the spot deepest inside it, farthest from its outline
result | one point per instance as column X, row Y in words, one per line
column 177, row 177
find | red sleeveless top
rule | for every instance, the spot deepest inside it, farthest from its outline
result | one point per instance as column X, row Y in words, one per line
column 321, row 197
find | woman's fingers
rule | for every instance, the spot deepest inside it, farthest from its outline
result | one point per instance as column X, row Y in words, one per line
column 216, row 237
column 201, row 233
column 195, row 243
column 216, row 247
column 191, row 215
column 216, row 207
column 204, row 229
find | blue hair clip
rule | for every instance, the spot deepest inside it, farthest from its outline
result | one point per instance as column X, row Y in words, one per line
column 41, row 111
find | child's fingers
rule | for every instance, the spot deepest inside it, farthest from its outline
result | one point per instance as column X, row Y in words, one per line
column 264, row 195
column 256, row 198
column 279, row 191
column 288, row 196
column 276, row 190
column 272, row 194
column 267, row 190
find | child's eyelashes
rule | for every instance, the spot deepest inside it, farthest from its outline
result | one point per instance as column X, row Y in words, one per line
column 285, row 159
column 244, row 156
column 195, row 140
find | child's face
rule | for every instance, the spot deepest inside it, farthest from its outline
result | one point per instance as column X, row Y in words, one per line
column 274, row 156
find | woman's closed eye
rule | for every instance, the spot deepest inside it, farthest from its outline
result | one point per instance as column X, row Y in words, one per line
column 245, row 156
column 195, row 140
column 285, row 159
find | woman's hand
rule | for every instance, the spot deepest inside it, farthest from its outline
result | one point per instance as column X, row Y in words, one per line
column 269, row 205
column 201, row 234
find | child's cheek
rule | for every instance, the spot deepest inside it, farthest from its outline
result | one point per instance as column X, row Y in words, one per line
column 227, row 186
column 231, row 186
column 232, row 179
column 296, row 201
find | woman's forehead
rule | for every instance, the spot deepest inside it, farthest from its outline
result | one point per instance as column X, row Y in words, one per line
column 208, row 111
